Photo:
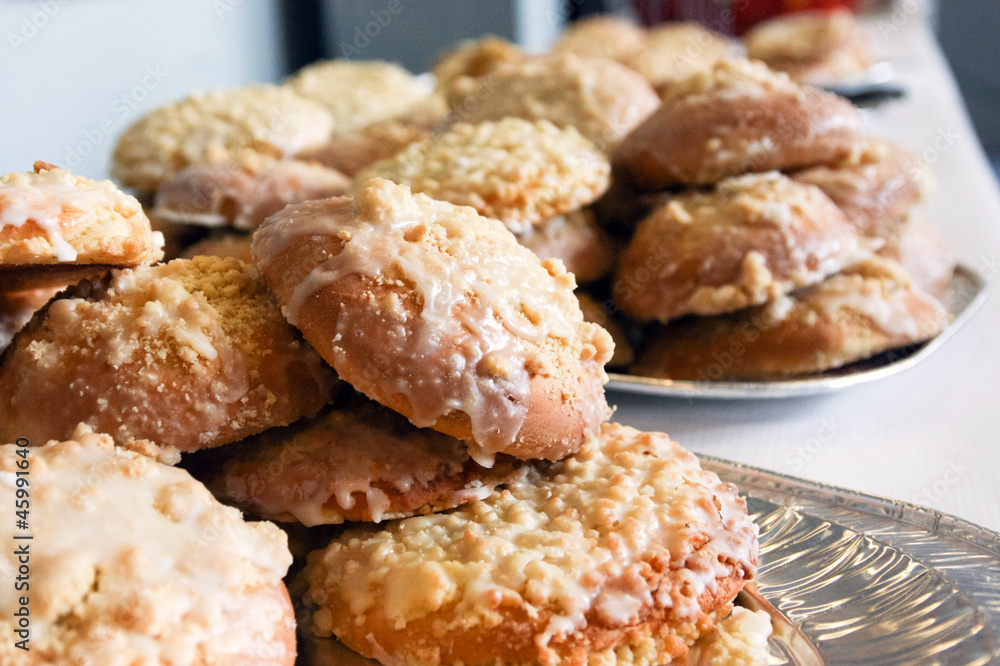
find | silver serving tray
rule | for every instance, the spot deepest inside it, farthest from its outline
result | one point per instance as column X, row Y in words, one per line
column 849, row 579
column 963, row 296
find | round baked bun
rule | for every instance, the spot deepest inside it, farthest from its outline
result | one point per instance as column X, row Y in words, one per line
column 476, row 58
column 733, row 118
column 876, row 185
column 219, row 126
column 360, row 462
column 870, row 308
column 358, row 93
column 191, row 354
column 57, row 228
column 438, row 313
column 813, row 46
column 221, row 244
column 744, row 243
column 517, row 171
column 627, row 545
column 134, row 562
column 601, row 98
column 673, row 51
column 244, row 193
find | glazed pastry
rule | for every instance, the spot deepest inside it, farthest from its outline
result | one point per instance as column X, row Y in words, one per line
column 744, row 243
column 57, row 228
column 241, row 194
column 439, row 314
column 519, row 172
column 576, row 240
column 351, row 152
column 190, row 355
column 812, row 47
column 140, row 565
column 602, row 36
column 875, row 185
column 674, row 51
column 220, row 126
column 359, row 93
column 359, row 462
column 602, row 99
column 922, row 251
column 626, row 547
column 737, row 117
column 870, row 308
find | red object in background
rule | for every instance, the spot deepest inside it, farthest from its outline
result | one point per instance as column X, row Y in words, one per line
column 733, row 17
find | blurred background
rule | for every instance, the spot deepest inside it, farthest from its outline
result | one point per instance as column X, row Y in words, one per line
column 75, row 73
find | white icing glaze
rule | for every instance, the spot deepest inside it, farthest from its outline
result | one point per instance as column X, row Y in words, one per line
column 55, row 200
column 483, row 297
column 148, row 567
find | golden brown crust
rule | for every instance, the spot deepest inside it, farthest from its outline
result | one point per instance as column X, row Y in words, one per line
column 141, row 565
column 749, row 240
column 602, row 36
column 876, row 185
column 872, row 307
column 674, row 51
column 921, row 249
column 351, row 152
column 219, row 126
column 191, row 354
column 812, row 47
column 242, row 194
column 358, row 93
column 737, row 117
column 576, row 240
column 517, row 171
column 575, row 560
column 55, row 226
column 360, row 462
column 601, row 98
column 439, row 314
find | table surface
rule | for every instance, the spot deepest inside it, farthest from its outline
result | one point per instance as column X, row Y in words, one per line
column 930, row 435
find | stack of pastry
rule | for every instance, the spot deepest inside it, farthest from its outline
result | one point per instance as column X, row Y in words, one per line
column 393, row 363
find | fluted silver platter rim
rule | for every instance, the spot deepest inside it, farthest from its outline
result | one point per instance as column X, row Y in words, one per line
column 858, row 579
column 963, row 296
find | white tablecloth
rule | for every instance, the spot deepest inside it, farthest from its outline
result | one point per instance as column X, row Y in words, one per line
column 930, row 435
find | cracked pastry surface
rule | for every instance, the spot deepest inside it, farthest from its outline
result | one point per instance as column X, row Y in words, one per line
column 360, row 463
column 358, row 93
column 736, row 117
column 750, row 240
column 438, row 313
column 627, row 546
column 517, row 171
column 218, row 126
column 191, row 354
column 243, row 193
column 56, row 227
column 140, row 564
column 813, row 46
column 870, row 307
column 601, row 98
